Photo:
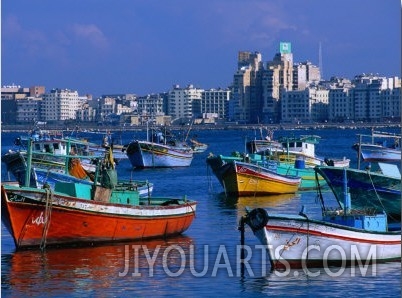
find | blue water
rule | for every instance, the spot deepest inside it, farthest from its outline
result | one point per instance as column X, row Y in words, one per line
column 204, row 260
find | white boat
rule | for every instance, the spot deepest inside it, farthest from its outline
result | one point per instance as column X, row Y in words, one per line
column 342, row 237
column 298, row 241
column 198, row 147
column 377, row 148
column 159, row 150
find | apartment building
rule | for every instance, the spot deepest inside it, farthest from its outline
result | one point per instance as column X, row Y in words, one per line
column 304, row 106
column 214, row 102
column 180, row 101
column 28, row 109
column 60, row 104
column 150, row 107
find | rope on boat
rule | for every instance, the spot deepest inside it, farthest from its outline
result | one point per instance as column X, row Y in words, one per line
column 319, row 194
column 191, row 207
column 209, row 175
column 48, row 214
column 376, row 193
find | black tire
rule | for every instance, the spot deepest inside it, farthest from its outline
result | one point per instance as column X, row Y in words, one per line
column 257, row 219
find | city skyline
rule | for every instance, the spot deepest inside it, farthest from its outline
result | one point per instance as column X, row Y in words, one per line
column 140, row 47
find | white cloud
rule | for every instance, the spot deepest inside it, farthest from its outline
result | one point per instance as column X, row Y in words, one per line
column 92, row 34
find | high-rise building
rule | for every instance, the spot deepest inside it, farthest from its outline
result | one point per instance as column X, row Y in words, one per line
column 278, row 75
column 246, row 88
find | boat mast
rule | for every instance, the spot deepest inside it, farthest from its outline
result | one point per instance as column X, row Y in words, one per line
column 68, row 147
column 359, row 152
column 29, row 162
column 147, row 132
column 188, row 132
column 346, row 194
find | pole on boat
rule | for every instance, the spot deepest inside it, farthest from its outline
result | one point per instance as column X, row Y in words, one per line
column 359, row 152
column 346, row 194
column 29, row 163
column 67, row 156
column 147, row 132
column 241, row 228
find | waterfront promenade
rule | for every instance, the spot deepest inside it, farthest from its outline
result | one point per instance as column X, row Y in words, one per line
column 96, row 128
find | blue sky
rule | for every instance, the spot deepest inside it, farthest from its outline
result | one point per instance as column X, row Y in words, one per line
column 133, row 46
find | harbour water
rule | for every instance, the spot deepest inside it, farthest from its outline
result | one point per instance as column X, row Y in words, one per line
column 204, row 261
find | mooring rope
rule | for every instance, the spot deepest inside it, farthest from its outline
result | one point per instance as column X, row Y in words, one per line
column 378, row 196
column 48, row 214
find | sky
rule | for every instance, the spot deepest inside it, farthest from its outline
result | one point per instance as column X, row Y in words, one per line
column 146, row 46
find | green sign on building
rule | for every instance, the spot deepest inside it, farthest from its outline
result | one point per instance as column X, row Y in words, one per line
column 285, row 48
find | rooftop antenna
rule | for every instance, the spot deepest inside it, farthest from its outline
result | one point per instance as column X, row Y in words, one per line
column 320, row 61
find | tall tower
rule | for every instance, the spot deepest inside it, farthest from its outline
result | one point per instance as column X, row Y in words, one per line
column 277, row 76
column 246, row 87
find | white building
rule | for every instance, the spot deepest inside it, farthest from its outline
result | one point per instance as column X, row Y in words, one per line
column 60, row 105
column 304, row 106
column 367, row 97
column 180, row 101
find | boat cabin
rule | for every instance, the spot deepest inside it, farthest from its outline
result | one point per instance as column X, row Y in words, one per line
column 375, row 222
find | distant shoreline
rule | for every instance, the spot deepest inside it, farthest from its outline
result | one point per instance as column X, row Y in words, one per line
column 95, row 128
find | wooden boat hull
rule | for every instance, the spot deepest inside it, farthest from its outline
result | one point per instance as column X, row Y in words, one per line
column 367, row 189
column 307, row 175
column 244, row 179
column 298, row 242
column 81, row 221
column 143, row 154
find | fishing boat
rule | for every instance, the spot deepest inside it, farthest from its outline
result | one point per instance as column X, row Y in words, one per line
column 298, row 169
column 160, row 150
column 198, row 147
column 80, row 214
column 379, row 147
column 244, row 178
column 378, row 190
column 49, row 151
column 265, row 143
column 290, row 149
column 74, row 172
column 342, row 237
column 119, row 150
